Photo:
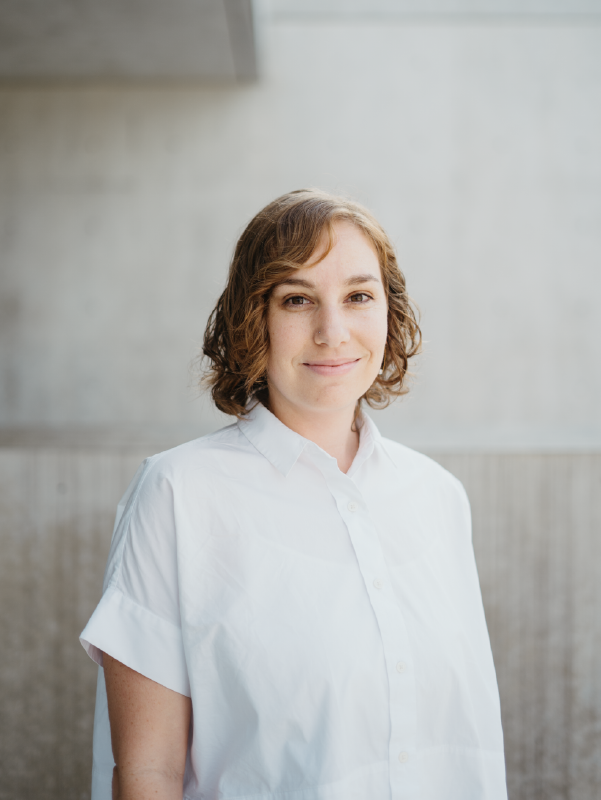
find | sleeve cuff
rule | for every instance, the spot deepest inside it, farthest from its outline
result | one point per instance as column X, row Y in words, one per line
column 137, row 638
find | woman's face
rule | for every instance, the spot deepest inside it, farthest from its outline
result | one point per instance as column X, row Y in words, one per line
column 327, row 328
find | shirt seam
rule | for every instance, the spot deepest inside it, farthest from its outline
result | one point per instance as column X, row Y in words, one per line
column 129, row 599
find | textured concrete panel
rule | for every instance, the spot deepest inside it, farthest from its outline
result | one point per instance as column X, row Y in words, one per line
column 56, row 512
column 117, row 39
column 537, row 526
column 537, row 521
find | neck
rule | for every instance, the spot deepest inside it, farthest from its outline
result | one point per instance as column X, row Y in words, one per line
column 333, row 431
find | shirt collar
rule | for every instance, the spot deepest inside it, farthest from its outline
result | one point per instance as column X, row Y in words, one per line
column 282, row 447
column 279, row 444
column 369, row 436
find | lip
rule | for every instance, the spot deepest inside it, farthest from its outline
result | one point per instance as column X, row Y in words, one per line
column 332, row 366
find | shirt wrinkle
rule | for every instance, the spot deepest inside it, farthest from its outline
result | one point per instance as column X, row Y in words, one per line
column 119, row 542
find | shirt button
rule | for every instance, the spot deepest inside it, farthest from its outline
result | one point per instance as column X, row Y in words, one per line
column 378, row 583
column 401, row 666
column 352, row 506
column 403, row 757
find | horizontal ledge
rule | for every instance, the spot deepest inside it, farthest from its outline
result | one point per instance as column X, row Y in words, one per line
column 101, row 438
column 492, row 440
column 435, row 18
column 154, row 438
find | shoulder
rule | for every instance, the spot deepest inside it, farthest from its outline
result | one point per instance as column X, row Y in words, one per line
column 417, row 464
column 209, row 455
column 190, row 470
column 418, row 470
column 433, row 498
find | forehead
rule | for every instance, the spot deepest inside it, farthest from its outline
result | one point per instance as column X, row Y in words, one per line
column 352, row 260
column 346, row 239
column 350, row 252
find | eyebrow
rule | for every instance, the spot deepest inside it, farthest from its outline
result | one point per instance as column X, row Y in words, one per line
column 354, row 280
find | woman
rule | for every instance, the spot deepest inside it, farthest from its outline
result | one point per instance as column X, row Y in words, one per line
column 291, row 607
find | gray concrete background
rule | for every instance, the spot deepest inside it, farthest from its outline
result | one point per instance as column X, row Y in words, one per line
column 478, row 144
column 473, row 131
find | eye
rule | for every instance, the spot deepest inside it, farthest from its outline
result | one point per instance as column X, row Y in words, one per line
column 360, row 297
column 296, row 300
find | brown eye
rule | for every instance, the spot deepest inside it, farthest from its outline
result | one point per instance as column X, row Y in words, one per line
column 296, row 301
column 359, row 297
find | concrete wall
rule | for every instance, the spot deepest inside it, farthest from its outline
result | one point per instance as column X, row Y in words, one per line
column 49, row 40
column 536, row 525
column 476, row 140
column 473, row 130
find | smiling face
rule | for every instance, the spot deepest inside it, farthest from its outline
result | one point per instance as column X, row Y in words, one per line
column 327, row 325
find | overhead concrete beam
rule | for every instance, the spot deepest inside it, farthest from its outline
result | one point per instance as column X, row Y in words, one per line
column 127, row 39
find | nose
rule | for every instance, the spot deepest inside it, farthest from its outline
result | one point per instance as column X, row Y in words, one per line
column 331, row 328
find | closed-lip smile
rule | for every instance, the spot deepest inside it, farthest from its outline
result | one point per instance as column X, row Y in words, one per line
column 331, row 366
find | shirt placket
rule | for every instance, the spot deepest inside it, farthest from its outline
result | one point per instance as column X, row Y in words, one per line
column 393, row 631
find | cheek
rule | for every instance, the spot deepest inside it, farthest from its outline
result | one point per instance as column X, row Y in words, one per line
column 376, row 333
column 283, row 340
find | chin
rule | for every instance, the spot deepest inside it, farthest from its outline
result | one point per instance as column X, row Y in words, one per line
column 335, row 401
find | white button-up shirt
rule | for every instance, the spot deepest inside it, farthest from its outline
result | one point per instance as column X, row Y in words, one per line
column 328, row 627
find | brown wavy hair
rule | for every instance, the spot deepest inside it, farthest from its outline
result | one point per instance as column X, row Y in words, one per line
column 278, row 240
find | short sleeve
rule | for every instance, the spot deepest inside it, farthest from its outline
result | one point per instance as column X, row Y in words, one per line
column 137, row 620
